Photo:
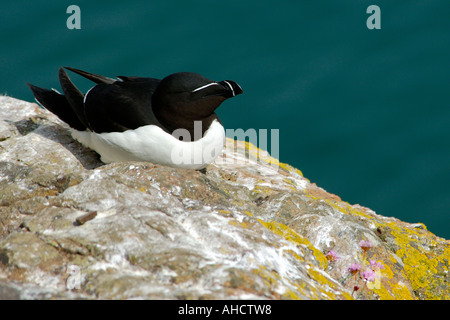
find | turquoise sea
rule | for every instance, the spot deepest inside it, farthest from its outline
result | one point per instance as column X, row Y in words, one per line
column 364, row 113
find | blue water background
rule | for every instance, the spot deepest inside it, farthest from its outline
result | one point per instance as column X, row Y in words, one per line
column 363, row 113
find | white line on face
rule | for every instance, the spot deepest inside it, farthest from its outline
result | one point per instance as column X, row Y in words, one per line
column 205, row 86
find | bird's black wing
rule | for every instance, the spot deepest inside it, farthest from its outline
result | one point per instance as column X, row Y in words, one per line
column 122, row 105
column 102, row 79
column 91, row 76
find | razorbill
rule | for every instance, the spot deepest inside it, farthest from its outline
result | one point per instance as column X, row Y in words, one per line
column 170, row 121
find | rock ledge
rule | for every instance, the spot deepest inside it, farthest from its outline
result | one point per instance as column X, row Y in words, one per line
column 249, row 228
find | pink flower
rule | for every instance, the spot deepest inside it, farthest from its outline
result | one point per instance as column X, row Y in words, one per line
column 369, row 275
column 332, row 256
column 365, row 245
column 354, row 268
column 376, row 265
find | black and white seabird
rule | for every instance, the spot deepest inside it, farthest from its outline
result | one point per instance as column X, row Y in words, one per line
column 170, row 121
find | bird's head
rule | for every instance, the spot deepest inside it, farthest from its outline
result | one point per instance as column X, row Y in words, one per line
column 185, row 97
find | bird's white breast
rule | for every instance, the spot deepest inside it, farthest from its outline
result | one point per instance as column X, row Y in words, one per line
column 151, row 143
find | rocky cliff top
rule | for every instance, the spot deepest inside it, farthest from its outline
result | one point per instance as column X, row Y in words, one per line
column 248, row 228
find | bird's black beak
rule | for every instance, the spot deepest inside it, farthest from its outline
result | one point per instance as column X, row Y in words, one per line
column 232, row 89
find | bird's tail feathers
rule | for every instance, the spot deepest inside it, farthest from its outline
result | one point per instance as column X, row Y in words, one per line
column 58, row 105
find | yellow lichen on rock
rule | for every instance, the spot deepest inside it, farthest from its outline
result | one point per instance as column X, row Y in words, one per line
column 424, row 268
column 290, row 235
column 387, row 289
column 401, row 292
column 422, row 265
column 260, row 154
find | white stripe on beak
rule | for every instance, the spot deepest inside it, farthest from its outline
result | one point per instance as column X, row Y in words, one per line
column 231, row 87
